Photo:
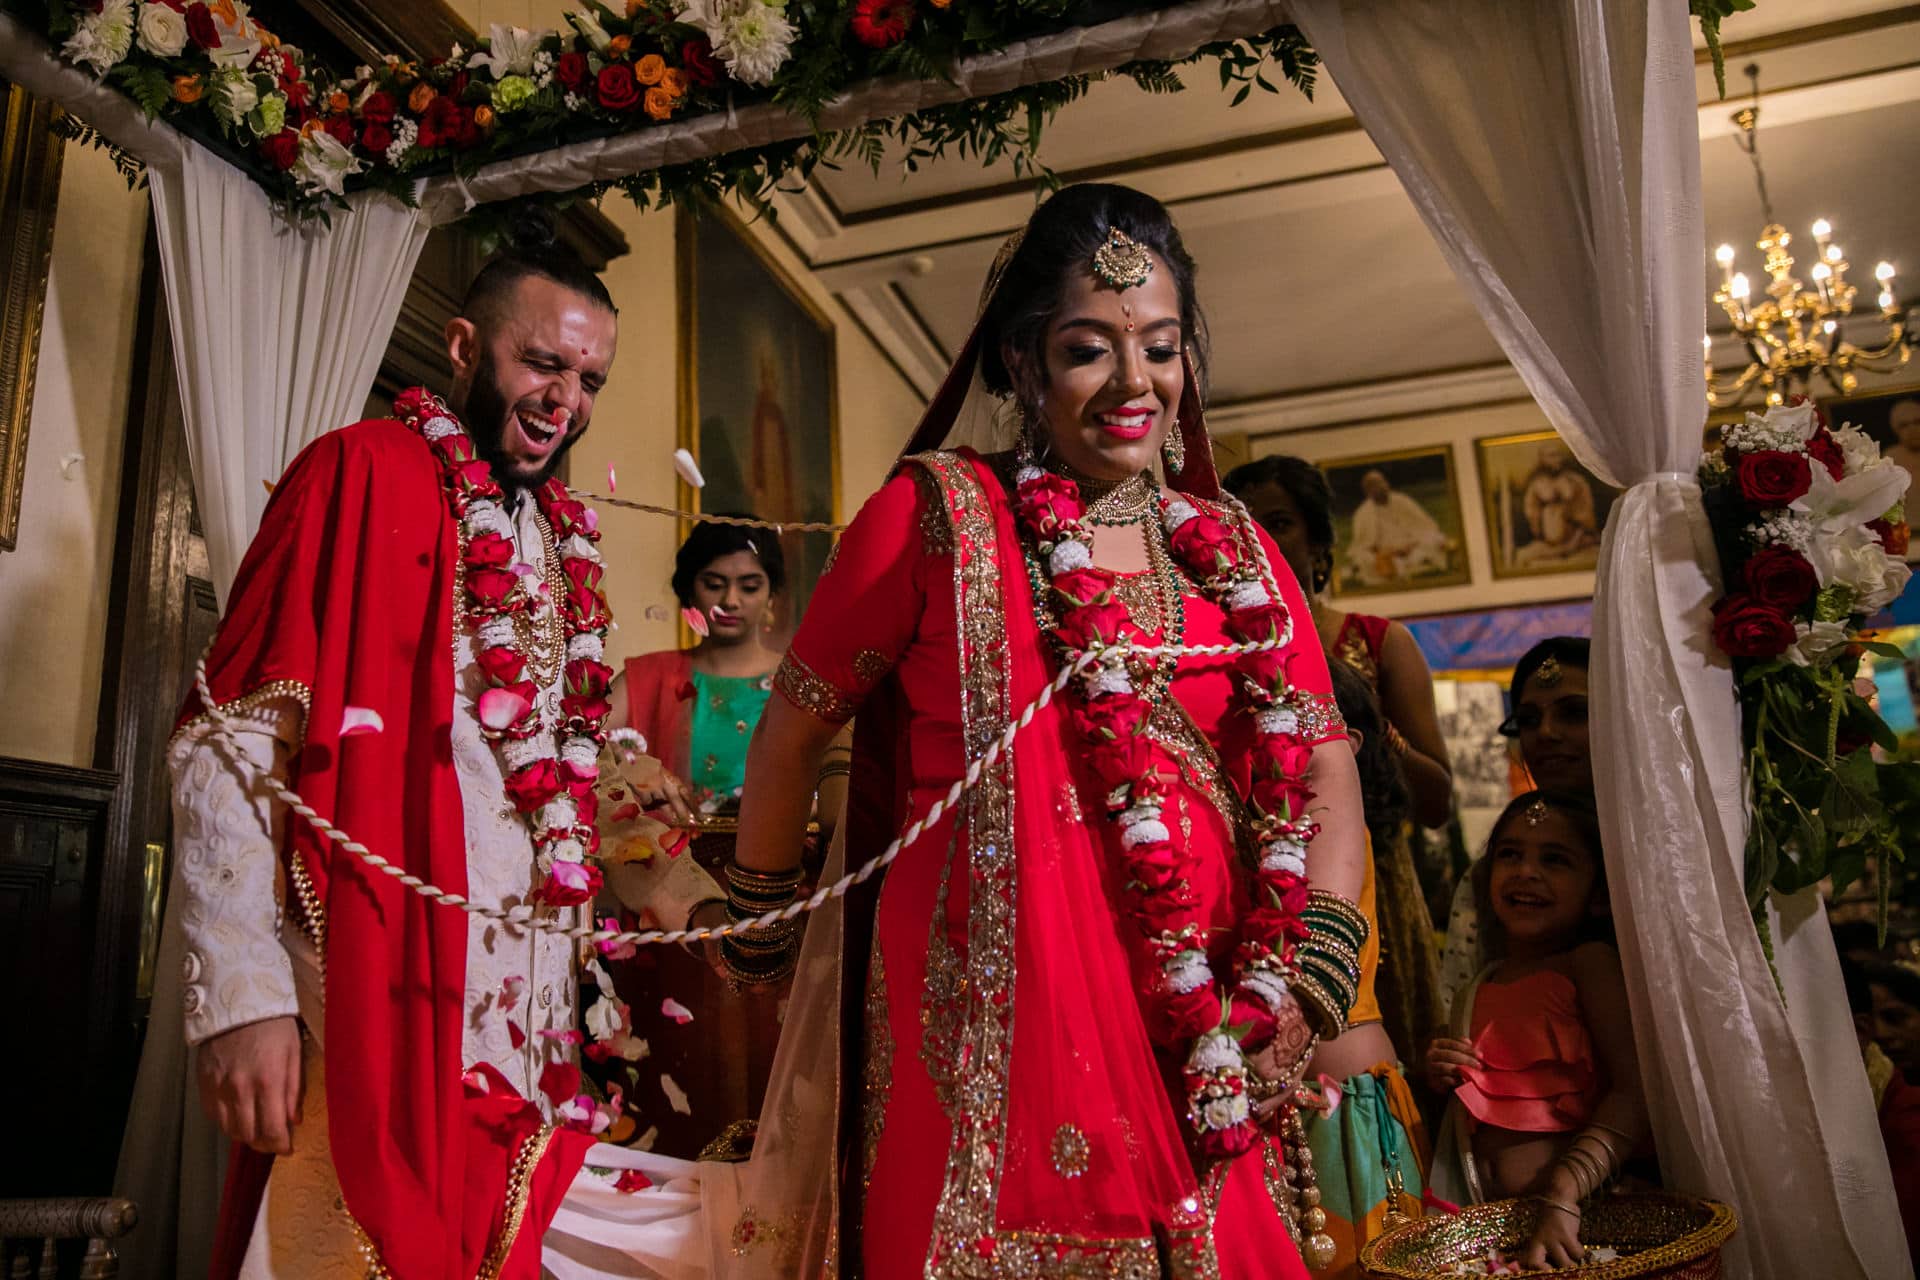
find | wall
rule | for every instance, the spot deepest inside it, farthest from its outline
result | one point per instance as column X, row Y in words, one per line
column 636, row 426
column 53, row 585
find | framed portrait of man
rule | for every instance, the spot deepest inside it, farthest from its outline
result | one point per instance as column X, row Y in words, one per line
column 759, row 397
column 1396, row 522
column 1544, row 511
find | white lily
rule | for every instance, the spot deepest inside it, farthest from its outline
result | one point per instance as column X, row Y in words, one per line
column 510, row 51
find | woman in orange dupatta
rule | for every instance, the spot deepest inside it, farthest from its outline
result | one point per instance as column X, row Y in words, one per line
column 1063, row 1041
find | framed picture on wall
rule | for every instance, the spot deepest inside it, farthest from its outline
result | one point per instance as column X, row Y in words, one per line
column 1544, row 510
column 758, row 393
column 1893, row 419
column 1396, row 522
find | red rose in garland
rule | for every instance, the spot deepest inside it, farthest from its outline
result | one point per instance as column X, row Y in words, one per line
column 1744, row 627
column 881, row 24
column 376, row 138
column 379, row 108
column 616, row 89
column 200, row 27
column 281, row 150
column 440, row 123
column 697, row 60
column 1823, row 448
column 571, row 70
column 1780, row 577
column 1772, row 477
column 340, row 129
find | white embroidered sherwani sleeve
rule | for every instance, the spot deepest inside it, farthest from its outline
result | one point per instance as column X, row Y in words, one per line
column 227, row 873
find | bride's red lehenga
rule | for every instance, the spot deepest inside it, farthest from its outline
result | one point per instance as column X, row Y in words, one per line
column 1004, row 1111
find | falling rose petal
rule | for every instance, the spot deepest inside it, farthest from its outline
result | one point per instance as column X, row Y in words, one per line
column 1331, row 1092
column 612, row 484
column 356, row 721
column 477, row 1081
column 500, row 709
column 632, row 1180
column 559, row 1081
column 572, row 876
column 511, row 990
column 678, row 1012
column 696, row 621
column 515, row 1035
column 562, row 1037
column 676, row 1096
column 646, row 1140
column 689, row 469
column 592, row 520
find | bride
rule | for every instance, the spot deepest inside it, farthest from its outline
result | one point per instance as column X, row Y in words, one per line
column 1061, row 1035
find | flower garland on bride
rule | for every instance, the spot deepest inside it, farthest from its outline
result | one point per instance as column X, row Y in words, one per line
column 549, row 772
column 1188, row 1002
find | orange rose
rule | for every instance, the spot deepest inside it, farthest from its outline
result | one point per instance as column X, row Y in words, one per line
column 649, row 69
column 188, row 88
column 675, row 82
column 338, row 101
column 267, row 38
column 619, row 45
column 635, row 8
column 660, row 103
column 483, row 116
column 423, row 94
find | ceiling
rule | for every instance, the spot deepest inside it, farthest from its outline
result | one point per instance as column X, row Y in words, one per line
column 1284, row 198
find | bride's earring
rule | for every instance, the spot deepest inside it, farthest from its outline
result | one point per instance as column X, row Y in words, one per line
column 1174, row 451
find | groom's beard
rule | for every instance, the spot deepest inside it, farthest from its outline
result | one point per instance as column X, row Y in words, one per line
column 488, row 416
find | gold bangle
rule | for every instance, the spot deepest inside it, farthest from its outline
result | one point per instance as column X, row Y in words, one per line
column 1561, row 1205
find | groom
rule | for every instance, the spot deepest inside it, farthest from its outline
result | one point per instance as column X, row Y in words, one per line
column 414, row 644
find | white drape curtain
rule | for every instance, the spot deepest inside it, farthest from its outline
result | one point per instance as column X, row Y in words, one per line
column 277, row 330
column 1553, row 150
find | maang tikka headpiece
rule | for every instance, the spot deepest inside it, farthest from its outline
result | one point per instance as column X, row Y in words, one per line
column 1547, row 674
column 1121, row 261
column 1537, row 813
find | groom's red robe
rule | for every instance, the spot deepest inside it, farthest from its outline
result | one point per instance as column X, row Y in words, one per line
column 345, row 599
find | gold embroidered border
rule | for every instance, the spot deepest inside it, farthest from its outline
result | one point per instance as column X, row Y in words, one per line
column 877, row 1072
column 270, row 692
column 811, row 692
column 1032, row 1255
column 519, row 1191
column 964, row 1217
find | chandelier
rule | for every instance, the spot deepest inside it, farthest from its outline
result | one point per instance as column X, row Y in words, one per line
column 1793, row 332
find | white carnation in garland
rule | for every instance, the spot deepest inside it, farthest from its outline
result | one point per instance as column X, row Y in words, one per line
column 102, row 39
column 1282, row 720
column 495, row 632
column 1179, row 511
column 755, row 43
column 1068, row 556
column 1225, row 1111
column 517, row 753
column 1269, row 986
column 439, row 428
column 579, row 547
column 1186, row 971
column 1216, row 1051
column 1109, row 680
column 560, row 812
column 586, row 645
column 1279, row 858
column 1027, row 475
column 1149, row 831
column 1134, row 815
column 581, row 753
column 163, row 30
column 1247, row 595
column 568, row 850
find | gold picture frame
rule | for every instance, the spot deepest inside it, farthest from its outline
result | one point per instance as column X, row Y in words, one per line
column 30, row 154
column 1570, row 507
column 1426, row 476
column 793, row 344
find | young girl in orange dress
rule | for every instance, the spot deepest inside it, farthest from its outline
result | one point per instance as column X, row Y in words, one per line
column 1546, row 1090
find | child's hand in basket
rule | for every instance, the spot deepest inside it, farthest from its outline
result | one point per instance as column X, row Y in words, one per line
column 1556, row 1238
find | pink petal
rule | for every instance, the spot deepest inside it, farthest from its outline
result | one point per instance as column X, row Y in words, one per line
column 515, row 1035
column 592, row 520
column 360, row 720
column 570, row 875
column 1331, row 1091
column 521, row 569
column 611, row 484
column 696, row 621
column 689, row 469
column 677, row 845
column 500, row 709
column 511, row 990
column 678, row 1012
column 562, row 1037
column 477, row 1081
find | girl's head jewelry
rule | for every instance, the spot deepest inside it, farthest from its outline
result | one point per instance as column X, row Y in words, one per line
column 1548, row 672
column 1537, row 813
column 1121, row 261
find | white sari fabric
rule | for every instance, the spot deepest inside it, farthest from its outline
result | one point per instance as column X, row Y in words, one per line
column 1553, row 150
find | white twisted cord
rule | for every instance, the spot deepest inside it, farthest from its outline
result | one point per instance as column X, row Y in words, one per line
column 525, row 917
column 702, row 517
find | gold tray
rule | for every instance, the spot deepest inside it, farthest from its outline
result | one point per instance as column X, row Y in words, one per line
column 1658, row 1234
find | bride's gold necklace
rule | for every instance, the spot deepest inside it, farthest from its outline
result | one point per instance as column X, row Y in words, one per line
column 1129, row 501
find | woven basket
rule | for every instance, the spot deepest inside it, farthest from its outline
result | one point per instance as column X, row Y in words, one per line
column 1657, row 1234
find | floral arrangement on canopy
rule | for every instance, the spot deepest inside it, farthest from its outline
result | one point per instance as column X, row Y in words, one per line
column 1812, row 532
column 310, row 133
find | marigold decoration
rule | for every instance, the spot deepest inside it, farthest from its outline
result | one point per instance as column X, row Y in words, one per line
column 1220, row 1022
column 1810, row 523
column 549, row 770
